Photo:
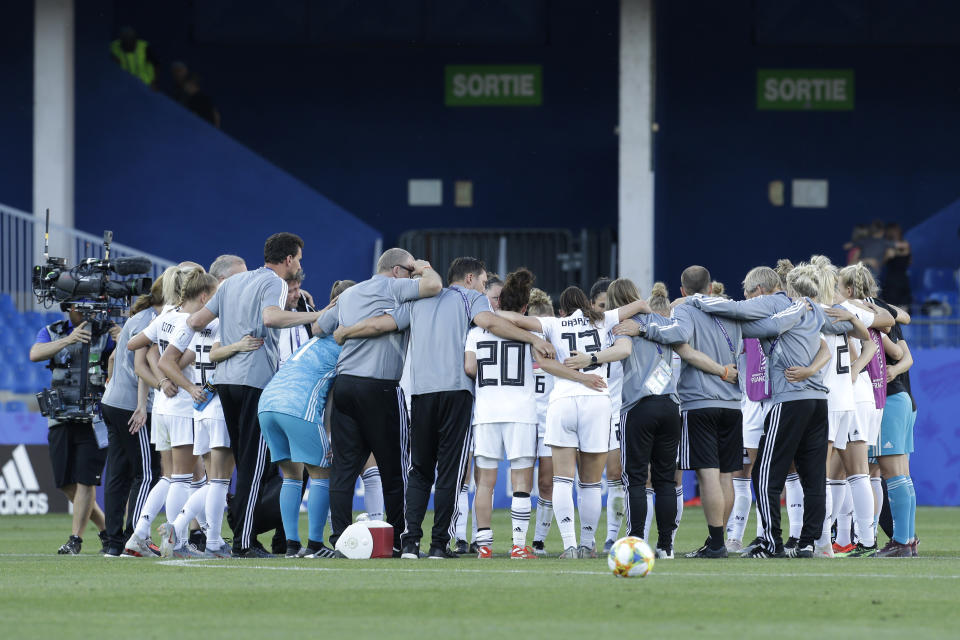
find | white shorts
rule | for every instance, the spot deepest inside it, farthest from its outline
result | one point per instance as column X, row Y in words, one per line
column 844, row 427
column 171, row 431
column 505, row 440
column 543, row 451
column 870, row 418
column 209, row 433
column 581, row 422
column 754, row 413
column 614, row 444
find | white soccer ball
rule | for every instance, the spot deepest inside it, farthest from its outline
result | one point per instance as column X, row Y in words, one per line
column 363, row 517
column 630, row 557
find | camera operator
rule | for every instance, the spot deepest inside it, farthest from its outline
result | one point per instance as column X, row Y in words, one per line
column 75, row 455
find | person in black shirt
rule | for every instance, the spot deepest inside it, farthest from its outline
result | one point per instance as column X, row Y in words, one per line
column 199, row 102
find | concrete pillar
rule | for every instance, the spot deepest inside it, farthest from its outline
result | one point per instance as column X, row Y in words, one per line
column 53, row 127
column 637, row 71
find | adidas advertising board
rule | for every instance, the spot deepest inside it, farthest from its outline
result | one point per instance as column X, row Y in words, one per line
column 26, row 482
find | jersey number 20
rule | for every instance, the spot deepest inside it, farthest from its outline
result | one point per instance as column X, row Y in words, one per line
column 501, row 356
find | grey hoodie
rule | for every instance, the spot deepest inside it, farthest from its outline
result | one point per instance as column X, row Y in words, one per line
column 703, row 332
column 789, row 334
column 642, row 362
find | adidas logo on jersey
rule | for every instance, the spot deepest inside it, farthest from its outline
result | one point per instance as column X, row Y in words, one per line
column 19, row 490
column 888, row 445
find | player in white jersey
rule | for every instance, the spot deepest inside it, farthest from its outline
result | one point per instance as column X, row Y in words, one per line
column 541, row 306
column 599, row 298
column 292, row 338
column 148, row 343
column 504, row 419
column 174, row 339
column 578, row 417
column 855, row 494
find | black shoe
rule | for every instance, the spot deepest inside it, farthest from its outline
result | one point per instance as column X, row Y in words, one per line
column 797, row 551
column 791, row 544
column 440, row 553
column 321, row 551
column 198, row 539
column 863, row 552
column 253, row 552
column 461, row 548
column 104, row 541
column 474, row 548
column 112, row 552
column 293, row 549
column 278, row 543
column 71, row 547
column 706, row 551
column 756, row 542
column 339, row 556
column 760, row 551
column 410, row 551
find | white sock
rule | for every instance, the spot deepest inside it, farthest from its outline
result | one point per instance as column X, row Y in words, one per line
column 589, row 505
column 563, row 510
column 877, row 485
column 520, row 517
column 484, row 537
column 544, row 520
column 214, row 507
column 151, row 507
column 862, row 497
column 373, row 493
column 741, row 509
column 192, row 509
column 794, row 505
column 648, row 521
column 824, row 540
column 473, row 516
column 845, row 515
column 836, row 489
column 615, row 502
column 756, row 513
column 676, row 522
column 177, row 494
column 463, row 509
column 196, row 485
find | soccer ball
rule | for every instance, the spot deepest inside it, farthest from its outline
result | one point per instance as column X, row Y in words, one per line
column 630, row 557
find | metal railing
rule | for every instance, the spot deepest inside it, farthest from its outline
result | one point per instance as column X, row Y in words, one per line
column 19, row 253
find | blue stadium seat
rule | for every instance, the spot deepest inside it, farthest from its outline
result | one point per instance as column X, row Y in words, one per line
column 949, row 298
column 6, row 377
column 6, row 303
column 15, row 406
column 939, row 279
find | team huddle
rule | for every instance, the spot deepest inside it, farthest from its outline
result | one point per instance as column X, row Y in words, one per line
column 416, row 388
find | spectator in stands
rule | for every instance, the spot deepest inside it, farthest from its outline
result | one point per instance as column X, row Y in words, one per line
column 872, row 250
column 135, row 56
column 852, row 247
column 896, row 283
column 199, row 102
column 179, row 74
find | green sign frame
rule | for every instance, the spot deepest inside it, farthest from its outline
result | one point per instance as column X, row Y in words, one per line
column 805, row 89
column 503, row 85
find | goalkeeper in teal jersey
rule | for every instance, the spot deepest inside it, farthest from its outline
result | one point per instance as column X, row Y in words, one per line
column 291, row 414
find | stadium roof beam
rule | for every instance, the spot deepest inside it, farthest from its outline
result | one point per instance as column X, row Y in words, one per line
column 637, row 70
column 53, row 120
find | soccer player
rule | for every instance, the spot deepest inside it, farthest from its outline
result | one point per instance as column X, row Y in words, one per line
column 504, row 420
column 540, row 305
column 578, row 417
column 291, row 418
column 169, row 422
column 292, row 338
column 251, row 303
column 197, row 289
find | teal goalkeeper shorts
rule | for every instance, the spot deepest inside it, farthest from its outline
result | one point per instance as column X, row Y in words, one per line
column 295, row 439
column 896, row 428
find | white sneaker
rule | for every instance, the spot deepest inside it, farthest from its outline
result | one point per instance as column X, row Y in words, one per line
column 663, row 554
column 734, row 546
column 168, row 539
column 825, row 551
column 137, row 547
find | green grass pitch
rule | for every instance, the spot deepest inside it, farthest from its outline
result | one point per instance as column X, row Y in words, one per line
column 45, row 595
